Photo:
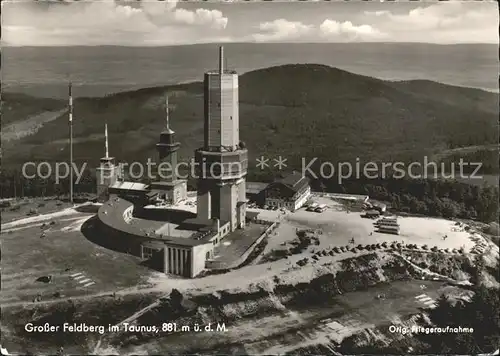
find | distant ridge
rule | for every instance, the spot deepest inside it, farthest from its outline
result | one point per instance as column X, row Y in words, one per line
column 298, row 110
column 106, row 69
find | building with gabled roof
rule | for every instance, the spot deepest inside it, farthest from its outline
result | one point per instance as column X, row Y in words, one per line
column 290, row 192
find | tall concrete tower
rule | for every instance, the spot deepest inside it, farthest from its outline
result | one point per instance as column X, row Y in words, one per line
column 107, row 172
column 170, row 187
column 222, row 161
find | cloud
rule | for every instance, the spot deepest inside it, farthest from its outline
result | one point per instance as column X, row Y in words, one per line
column 157, row 23
column 281, row 29
column 201, row 17
column 346, row 30
column 164, row 13
column 328, row 30
column 445, row 22
column 107, row 22
column 377, row 13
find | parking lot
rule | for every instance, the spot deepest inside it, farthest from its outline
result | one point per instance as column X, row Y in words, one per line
column 338, row 226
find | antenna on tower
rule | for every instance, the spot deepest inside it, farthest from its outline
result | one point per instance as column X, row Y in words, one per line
column 70, row 102
column 70, row 119
column 106, row 138
column 221, row 59
column 167, row 118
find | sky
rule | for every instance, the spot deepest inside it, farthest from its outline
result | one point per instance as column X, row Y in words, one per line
column 154, row 23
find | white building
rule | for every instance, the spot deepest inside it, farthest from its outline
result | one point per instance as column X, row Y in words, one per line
column 290, row 192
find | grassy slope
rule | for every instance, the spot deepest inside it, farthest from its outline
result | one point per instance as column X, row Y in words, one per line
column 292, row 110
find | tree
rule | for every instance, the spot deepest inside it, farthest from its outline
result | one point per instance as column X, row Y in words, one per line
column 481, row 314
column 449, row 208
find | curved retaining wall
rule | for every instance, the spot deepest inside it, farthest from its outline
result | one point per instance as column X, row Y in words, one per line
column 114, row 217
column 119, row 235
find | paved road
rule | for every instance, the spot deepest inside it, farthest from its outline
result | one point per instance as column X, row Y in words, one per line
column 128, row 320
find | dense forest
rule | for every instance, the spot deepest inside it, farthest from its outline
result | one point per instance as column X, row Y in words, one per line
column 432, row 197
column 487, row 157
column 440, row 198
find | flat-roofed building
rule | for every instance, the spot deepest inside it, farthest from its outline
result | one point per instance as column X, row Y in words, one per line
column 174, row 255
column 388, row 221
column 131, row 190
column 254, row 188
column 389, row 229
column 372, row 213
column 255, row 192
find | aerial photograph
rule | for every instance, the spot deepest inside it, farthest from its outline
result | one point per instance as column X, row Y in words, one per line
column 249, row 178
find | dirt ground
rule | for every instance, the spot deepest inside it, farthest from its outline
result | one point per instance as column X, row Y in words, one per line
column 25, row 205
column 80, row 267
column 77, row 266
column 65, row 252
column 338, row 227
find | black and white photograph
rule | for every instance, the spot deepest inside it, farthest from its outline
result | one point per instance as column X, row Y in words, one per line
column 249, row 178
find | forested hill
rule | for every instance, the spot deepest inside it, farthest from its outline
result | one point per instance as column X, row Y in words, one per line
column 296, row 111
column 291, row 110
